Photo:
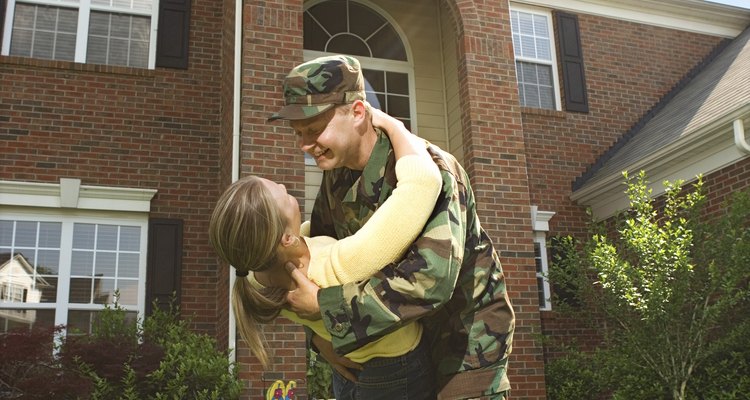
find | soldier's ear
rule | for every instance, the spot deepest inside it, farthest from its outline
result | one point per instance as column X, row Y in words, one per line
column 360, row 114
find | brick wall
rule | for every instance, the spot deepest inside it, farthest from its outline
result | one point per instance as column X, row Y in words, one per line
column 272, row 45
column 496, row 161
column 116, row 126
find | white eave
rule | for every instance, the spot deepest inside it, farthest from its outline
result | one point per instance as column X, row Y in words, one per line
column 687, row 15
column 69, row 193
column 707, row 150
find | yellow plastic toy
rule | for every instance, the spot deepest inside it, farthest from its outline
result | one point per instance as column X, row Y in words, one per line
column 278, row 391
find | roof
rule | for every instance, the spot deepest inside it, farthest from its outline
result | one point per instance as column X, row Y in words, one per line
column 716, row 88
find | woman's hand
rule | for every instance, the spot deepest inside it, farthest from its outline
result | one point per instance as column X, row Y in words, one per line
column 342, row 365
column 385, row 122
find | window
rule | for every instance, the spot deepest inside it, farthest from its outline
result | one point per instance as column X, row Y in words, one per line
column 536, row 67
column 60, row 266
column 111, row 32
column 65, row 281
column 348, row 27
column 541, row 261
column 540, row 226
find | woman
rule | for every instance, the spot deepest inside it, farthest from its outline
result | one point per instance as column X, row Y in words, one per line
column 256, row 228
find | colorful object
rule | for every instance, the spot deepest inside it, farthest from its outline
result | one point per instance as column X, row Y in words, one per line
column 279, row 391
column 290, row 387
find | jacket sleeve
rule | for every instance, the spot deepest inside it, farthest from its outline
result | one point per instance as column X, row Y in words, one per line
column 377, row 243
column 358, row 313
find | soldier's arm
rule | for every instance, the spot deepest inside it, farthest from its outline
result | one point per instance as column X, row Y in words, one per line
column 356, row 314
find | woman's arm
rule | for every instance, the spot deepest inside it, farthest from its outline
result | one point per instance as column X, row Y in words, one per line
column 397, row 222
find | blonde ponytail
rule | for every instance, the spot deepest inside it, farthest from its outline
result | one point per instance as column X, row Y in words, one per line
column 253, row 307
column 245, row 229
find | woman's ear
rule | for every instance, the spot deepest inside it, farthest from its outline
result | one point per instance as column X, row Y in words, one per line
column 288, row 238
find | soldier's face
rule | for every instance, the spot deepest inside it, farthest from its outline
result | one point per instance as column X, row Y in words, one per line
column 331, row 139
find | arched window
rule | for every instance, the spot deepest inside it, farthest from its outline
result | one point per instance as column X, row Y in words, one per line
column 356, row 29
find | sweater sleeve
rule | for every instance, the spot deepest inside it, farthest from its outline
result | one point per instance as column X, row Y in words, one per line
column 391, row 229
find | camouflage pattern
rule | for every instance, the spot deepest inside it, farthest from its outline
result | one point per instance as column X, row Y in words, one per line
column 451, row 278
column 317, row 85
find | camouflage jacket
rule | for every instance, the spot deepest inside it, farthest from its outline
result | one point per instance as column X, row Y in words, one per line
column 451, row 278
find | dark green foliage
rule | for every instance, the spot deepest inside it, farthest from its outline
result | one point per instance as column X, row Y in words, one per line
column 29, row 371
column 319, row 377
column 160, row 358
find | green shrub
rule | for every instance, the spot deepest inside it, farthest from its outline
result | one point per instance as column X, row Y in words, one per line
column 667, row 289
column 159, row 358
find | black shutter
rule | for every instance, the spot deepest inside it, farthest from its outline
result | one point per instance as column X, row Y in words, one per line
column 164, row 265
column 574, row 79
column 3, row 13
column 173, row 33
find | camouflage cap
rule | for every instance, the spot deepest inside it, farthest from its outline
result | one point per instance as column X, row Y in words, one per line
column 317, row 85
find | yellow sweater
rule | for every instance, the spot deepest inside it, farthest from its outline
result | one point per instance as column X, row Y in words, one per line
column 375, row 245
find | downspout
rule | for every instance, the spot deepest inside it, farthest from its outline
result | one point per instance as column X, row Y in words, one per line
column 236, row 97
column 739, row 136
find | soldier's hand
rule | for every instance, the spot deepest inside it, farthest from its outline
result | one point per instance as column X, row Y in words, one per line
column 303, row 300
column 342, row 365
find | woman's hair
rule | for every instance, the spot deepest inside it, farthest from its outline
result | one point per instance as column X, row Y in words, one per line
column 245, row 230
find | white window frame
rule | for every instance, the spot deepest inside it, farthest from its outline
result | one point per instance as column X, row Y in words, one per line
column 540, row 226
column 406, row 67
column 553, row 51
column 84, row 8
column 70, row 203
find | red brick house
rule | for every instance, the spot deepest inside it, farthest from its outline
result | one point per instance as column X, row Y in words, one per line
column 121, row 122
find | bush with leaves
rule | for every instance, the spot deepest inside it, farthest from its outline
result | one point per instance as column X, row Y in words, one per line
column 669, row 294
column 158, row 359
column 319, row 377
column 29, row 370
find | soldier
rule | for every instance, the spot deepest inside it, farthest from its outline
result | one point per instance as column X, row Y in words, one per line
column 451, row 278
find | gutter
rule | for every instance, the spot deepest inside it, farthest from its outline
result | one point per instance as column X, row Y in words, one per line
column 739, row 136
column 236, row 97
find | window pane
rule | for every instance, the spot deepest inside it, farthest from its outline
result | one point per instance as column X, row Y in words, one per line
column 398, row 83
column 398, row 106
column 106, row 237
column 531, row 95
column 46, row 18
column 315, row 37
column 348, row 44
column 82, row 263
column 80, row 290
column 331, row 15
column 542, row 295
column 26, row 234
column 128, row 290
column 6, row 233
column 130, row 238
column 104, row 291
column 83, row 236
column 376, row 79
column 546, row 98
column 525, row 24
column 83, row 321
column 368, row 22
column 25, row 319
column 128, row 265
column 48, row 262
column 105, row 264
column 49, row 234
column 387, row 44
